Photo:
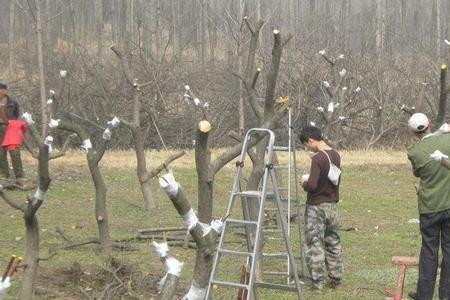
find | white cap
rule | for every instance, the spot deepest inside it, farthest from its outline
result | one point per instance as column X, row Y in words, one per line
column 418, row 122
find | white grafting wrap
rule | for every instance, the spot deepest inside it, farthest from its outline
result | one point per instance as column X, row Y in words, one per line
column 195, row 293
column 114, row 122
column 330, row 107
column 107, row 134
column 173, row 266
column 4, row 287
column 63, row 73
column 190, row 219
column 196, row 101
column 161, row 248
column 217, row 226
column 49, row 141
column 168, row 184
column 53, row 123
column 27, row 117
column 49, row 101
column 39, row 195
column 52, row 92
column 86, row 144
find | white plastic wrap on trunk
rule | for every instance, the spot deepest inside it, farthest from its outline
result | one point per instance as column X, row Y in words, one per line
column 27, row 117
column 52, row 92
column 215, row 225
column 190, row 219
column 161, row 248
column 330, row 107
column 49, row 141
column 86, row 144
column 49, row 101
column 173, row 266
column 195, row 293
column 39, row 195
column 107, row 134
column 53, row 123
column 169, row 185
column 4, row 287
column 114, row 122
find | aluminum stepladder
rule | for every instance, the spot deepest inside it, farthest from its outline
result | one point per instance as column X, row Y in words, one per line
column 291, row 197
column 253, row 248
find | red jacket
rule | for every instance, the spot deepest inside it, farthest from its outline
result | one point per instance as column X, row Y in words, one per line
column 14, row 135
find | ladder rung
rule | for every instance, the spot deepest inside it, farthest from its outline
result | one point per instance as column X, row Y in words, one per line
column 280, row 148
column 233, row 252
column 272, row 230
column 281, row 167
column 267, row 285
column 244, row 222
column 253, row 194
column 275, row 273
column 230, row 284
column 274, row 209
column 275, row 255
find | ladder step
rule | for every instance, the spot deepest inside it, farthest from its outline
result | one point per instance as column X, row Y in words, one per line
column 266, row 285
column 233, row 252
column 243, row 222
column 280, row 148
column 274, row 209
column 275, row 273
column 230, row 284
column 251, row 194
column 275, row 255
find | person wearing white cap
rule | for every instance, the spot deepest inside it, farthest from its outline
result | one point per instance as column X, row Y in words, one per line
column 434, row 207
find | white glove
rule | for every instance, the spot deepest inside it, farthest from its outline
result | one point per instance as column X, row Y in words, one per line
column 438, row 155
column 445, row 128
column 4, row 287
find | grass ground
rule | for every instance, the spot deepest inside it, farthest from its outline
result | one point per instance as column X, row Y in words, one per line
column 378, row 199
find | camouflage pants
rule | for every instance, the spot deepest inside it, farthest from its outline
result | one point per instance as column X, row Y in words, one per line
column 16, row 160
column 324, row 252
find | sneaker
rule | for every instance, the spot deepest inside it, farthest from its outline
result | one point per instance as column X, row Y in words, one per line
column 413, row 295
column 317, row 285
column 334, row 283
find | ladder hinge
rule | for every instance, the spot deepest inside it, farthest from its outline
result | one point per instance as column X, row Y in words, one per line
column 239, row 164
column 269, row 166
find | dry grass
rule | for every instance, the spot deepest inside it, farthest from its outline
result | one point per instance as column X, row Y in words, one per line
column 127, row 159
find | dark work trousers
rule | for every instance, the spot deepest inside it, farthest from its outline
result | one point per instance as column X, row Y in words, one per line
column 435, row 229
column 16, row 160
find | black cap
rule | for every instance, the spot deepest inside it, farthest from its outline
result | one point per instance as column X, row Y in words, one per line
column 3, row 86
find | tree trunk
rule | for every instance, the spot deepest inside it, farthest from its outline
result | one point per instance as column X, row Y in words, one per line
column 380, row 25
column 101, row 214
column 99, row 28
column 145, row 184
column 32, row 257
column 11, row 37
column 41, row 68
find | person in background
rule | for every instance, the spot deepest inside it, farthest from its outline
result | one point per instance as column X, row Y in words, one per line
column 324, row 253
column 434, row 206
column 9, row 110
